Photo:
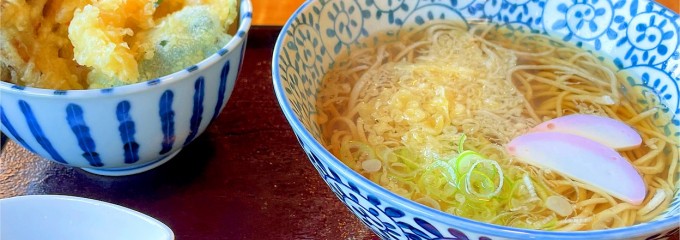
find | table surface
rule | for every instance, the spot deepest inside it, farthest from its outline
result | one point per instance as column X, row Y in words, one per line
column 245, row 177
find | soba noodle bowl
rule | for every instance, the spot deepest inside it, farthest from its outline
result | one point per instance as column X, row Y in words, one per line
column 400, row 106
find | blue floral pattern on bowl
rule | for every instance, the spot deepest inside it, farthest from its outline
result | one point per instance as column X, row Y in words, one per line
column 640, row 36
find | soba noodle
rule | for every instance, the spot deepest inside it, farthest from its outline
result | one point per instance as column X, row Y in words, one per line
column 398, row 108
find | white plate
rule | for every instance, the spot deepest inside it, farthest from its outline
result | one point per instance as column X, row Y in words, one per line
column 65, row 217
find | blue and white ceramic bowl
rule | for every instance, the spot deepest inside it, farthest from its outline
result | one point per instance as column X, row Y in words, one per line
column 128, row 129
column 642, row 36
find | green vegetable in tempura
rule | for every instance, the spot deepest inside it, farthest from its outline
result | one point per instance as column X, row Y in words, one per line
column 181, row 40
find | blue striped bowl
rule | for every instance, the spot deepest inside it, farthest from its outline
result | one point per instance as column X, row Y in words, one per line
column 640, row 35
column 128, row 129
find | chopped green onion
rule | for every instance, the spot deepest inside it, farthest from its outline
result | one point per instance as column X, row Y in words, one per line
column 357, row 152
column 473, row 191
column 461, row 141
column 450, row 178
column 465, row 160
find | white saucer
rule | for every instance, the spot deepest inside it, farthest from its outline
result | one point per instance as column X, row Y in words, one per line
column 65, row 217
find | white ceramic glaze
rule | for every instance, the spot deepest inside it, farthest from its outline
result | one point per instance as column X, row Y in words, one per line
column 58, row 217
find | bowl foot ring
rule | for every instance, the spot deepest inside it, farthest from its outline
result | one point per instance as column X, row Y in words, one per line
column 130, row 171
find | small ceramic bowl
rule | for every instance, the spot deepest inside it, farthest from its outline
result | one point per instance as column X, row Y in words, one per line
column 64, row 217
column 128, row 129
column 641, row 36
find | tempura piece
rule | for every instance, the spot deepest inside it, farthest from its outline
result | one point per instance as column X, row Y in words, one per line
column 34, row 48
column 225, row 10
column 182, row 39
column 98, row 33
column 76, row 44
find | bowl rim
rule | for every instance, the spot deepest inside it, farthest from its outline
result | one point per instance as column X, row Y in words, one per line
column 315, row 147
column 24, row 202
column 239, row 37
